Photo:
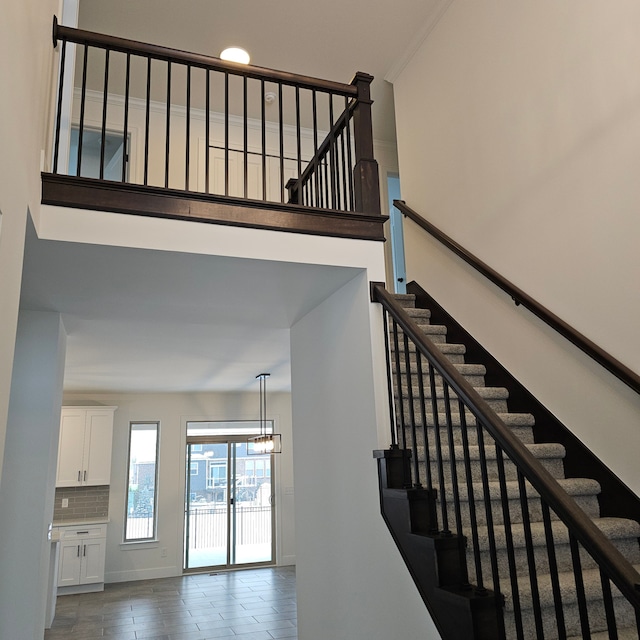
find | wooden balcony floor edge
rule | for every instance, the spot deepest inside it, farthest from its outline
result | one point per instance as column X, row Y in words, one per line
column 134, row 199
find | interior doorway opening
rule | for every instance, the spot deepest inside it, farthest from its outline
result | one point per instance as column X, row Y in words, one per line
column 229, row 498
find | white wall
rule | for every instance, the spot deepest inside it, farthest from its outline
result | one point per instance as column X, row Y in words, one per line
column 519, row 135
column 25, row 59
column 29, row 471
column 352, row 583
column 145, row 560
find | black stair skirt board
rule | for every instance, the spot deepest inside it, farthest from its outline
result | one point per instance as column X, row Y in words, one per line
column 616, row 499
column 435, row 561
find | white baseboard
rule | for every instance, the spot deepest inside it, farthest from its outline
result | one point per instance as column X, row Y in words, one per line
column 142, row 574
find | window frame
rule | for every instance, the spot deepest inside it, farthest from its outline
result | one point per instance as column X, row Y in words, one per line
column 149, row 424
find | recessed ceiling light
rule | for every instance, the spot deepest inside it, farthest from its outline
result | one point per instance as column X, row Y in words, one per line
column 235, row 54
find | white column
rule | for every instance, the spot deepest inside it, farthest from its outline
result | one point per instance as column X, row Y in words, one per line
column 28, row 474
column 352, row 583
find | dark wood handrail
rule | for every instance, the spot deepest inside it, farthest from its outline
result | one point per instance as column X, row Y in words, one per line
column 621, row 371
column 124, row 45
column 608, row 557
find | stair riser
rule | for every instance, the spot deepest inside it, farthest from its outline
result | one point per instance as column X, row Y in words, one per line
column 454, row 355
column 432, row 332
column 555, row 466
column 473, row 380
column 524, row 433
column 625, row 616
column 589, row 504
column 628, row 547
column 499, row 405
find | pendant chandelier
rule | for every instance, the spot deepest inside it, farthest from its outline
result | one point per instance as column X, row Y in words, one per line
column 265, row 443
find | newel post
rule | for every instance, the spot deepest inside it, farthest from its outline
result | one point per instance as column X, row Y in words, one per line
column 365, row 171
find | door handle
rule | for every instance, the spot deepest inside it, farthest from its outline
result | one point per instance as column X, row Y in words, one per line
column 85, row 475
column 78, row 551
column 79, row 476
column 84, row 550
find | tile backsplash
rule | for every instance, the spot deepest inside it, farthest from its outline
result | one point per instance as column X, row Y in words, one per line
column 84, row 503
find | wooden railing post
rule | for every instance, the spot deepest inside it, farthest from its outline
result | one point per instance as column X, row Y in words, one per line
column 293, row 189
column 365, row 171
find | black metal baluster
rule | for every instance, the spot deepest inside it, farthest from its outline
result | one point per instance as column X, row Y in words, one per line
column 579, row 579
column 493, row 557
column 207, row 129
column 387, row 350
column 226, row 133
column 553, row 571
column 454, row 480
column 125, row 128
column 264, row 140
column 332, row 156
column 246, row 139
column 146, row 120
column 344, row 205
column 351, row 206
column 531, row 560
column 423, row 413
column 473, row 516
column 511, row 556
column 188, row 130
column 166, row 160
column 298, row 142
column 315, row 147
column 399, row 395
column 607, row 600
column 445, row 531
column 281, row 131
column 56, row 146
column 83, row 96
column 412, row 413
column 103, row 134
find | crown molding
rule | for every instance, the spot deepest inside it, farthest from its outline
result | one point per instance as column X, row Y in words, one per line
column 439, row 9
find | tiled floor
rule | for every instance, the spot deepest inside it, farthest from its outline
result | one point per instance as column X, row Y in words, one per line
column 255, row 604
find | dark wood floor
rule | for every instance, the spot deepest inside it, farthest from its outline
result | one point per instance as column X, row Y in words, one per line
column 255, row 604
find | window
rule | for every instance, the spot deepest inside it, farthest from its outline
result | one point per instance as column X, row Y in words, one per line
column 216, row 474
column 194, row 469
column 141, row 514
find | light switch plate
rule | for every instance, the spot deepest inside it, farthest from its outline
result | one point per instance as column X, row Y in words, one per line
column 65, row 503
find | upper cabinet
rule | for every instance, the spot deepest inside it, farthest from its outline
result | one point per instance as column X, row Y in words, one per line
column 84, row 451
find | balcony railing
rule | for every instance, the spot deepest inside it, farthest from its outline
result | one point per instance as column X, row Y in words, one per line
column 224, row 138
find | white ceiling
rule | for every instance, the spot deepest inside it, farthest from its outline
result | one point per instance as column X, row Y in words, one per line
column 152, row 321
column 330, row 39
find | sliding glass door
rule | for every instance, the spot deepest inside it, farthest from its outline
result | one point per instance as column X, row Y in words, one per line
column 229, row 515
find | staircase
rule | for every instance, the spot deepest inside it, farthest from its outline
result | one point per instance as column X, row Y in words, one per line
column 488, row 554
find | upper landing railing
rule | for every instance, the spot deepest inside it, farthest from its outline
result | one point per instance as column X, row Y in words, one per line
column 226, row 139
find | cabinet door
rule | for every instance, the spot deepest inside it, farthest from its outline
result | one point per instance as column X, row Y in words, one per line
column 97, row 447
column 70, row 448
column 69, row 563
column 93, row 556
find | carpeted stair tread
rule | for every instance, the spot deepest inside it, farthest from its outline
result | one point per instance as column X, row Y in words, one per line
column 575, row 487
column 629, row 633
column 406, row 300
column 487, row 393
column 540, row 450
column 566, row 579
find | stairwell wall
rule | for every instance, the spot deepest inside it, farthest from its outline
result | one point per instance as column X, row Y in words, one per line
column 519, row 136
column 25, row 62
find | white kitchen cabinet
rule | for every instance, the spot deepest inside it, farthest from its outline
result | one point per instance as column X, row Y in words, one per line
column 84, row 450
column 82, row 558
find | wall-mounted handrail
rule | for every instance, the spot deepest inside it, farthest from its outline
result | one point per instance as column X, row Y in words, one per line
column 614, row 366
column 609, row 559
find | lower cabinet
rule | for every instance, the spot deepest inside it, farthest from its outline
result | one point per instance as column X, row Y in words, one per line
column 81, row 560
